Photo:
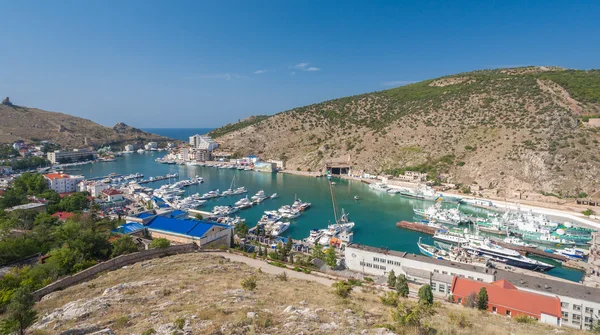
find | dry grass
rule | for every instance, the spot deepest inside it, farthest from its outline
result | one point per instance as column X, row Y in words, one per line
column 205, row 292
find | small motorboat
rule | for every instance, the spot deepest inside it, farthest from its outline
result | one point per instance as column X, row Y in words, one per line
column 274, row 195
column 356, row 197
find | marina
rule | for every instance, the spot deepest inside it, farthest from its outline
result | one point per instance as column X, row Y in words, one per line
column 375, row 215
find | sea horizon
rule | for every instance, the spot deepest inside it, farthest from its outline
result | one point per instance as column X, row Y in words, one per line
column 181, row 134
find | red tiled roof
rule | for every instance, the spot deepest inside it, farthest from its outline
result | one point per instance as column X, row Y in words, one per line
column 63, row 215
column 111, row 192
column 504, row 294
column 53, row 176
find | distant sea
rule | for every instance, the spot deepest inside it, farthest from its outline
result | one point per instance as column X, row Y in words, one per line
column 182, row 134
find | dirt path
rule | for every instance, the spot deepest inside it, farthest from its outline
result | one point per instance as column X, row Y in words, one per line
column 268, row 268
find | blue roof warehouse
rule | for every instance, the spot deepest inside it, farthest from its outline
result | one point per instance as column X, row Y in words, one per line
column 179, row 229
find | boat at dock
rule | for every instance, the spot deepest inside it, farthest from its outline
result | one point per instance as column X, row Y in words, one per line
column 507, row 256
column 431, row 251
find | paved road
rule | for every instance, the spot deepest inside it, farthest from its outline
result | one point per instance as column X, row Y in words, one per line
column 268, row 268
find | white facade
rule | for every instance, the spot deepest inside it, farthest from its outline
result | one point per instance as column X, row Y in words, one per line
column 203, row 142
column 129, row 148
column 63, row 183
column 94, row 188
column 151, row 146
column 416, row 268
column 70, row 156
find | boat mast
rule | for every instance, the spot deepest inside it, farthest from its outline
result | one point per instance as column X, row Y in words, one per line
column 333, row 201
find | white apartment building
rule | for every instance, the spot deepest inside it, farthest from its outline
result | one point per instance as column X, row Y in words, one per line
column 63, row 183
column 95, row 188
column 151, row 146
column 203, row 142
column 76, row 155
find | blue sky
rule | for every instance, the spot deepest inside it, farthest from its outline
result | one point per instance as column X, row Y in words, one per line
column 203, row 64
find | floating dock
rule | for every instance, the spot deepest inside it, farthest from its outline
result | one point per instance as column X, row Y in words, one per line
column 416, row 227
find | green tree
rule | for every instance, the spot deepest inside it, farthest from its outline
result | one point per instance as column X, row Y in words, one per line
column 426, row 295
column 342, row 288
column 160, row 243
column 198, row 216
column 317, row 252
column 19, row 312
column 482, row 299
column 402, row 286
column 330, row 257
column 391, row 279
column 123, row 245
column 241, row 229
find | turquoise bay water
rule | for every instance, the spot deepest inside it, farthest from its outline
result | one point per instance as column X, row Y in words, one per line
column 375, row 214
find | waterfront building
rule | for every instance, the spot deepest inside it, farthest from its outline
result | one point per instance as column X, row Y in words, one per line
column 129, row 148
column 580, row 304
column 113, row 195
column 94, row 188
column 418, row 269
column 505, row 299
column 279, row 163
column 151, row 146
column 62, row 182
column 76, row 155
column 177, row 228
column 203, row 142
column 202, row 155
column 265, row 167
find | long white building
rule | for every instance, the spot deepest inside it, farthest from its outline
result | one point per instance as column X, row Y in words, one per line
column 580, row 305
column 203, row 142
column 60, row 156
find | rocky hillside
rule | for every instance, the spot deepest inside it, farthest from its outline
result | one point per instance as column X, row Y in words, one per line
column 30, row 124
column 201, row 294
column 507, row 130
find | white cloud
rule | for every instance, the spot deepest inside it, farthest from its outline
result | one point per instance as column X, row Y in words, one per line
column 397, row 83
column 305, row 67
column 260, row 71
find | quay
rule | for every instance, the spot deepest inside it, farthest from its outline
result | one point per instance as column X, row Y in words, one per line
column 521, row 249
column 111, row 176
column 158, row 178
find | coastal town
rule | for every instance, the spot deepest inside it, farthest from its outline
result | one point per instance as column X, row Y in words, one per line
column 468, row 252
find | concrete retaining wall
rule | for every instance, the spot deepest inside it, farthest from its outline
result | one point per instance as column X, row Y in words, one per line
column 112, row 264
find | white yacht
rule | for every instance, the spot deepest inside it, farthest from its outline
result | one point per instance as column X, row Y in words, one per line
column 279, row 228
column 379, row 187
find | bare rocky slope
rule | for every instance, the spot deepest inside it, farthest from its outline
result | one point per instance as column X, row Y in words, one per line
column 30, row 124
column 507, row 130
column 202, row 294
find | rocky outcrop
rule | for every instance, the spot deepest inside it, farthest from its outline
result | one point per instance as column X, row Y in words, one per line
column 6, row 101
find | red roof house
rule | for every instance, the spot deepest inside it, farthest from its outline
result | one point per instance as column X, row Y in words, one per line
column 505, row 299
column 63, row 216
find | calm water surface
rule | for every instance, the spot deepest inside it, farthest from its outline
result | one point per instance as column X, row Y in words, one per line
column 375, row 214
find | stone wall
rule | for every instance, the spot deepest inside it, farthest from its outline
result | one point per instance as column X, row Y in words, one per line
column 112, row 264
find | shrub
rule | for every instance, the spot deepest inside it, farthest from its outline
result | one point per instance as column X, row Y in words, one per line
column 249, row 284
column 460, row 320
column 354, row 282
column 368, row 279
column 282, row 276
column 121, row 322
column 588, row 212
column 401, row 286
column 524, row 319
column 149, row 331
column 160, row 243
column 179, row 323
column 471, row 300
column 408, row 314
column 342, row 288
column 389, row 298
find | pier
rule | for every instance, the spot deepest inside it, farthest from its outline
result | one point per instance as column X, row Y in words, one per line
column 521, row 249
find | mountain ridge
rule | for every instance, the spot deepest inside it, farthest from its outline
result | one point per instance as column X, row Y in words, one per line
column 508, row 130
column 32, row 124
